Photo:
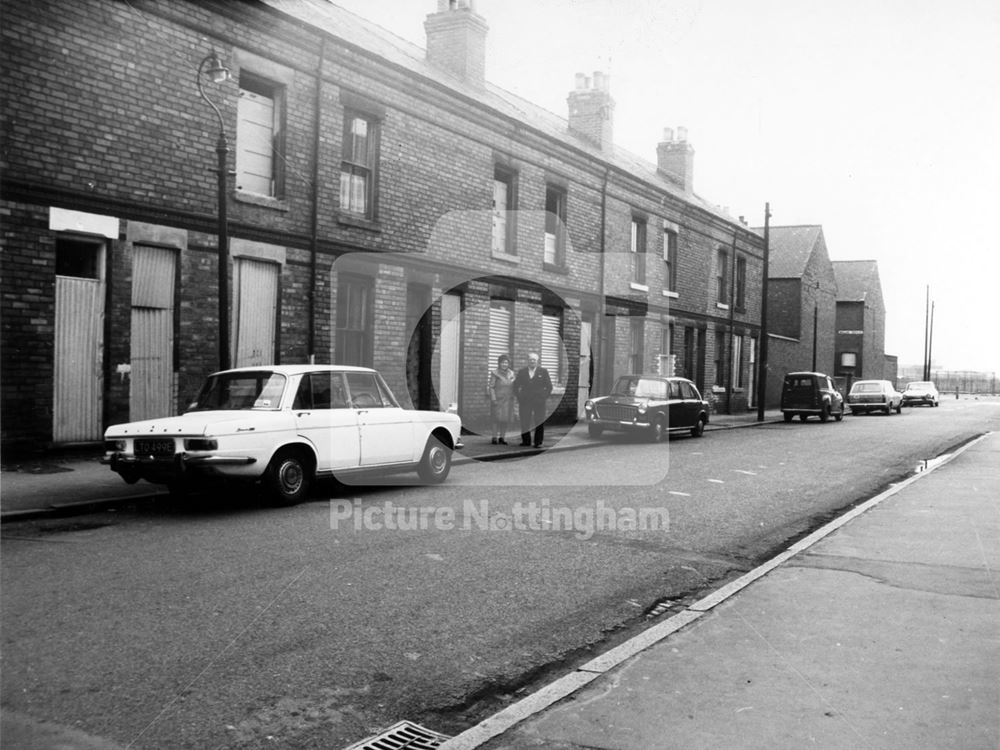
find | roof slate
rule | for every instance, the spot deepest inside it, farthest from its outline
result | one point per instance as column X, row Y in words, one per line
column 359, row 32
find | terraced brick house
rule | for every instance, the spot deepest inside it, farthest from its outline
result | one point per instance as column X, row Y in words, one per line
column 388, row 207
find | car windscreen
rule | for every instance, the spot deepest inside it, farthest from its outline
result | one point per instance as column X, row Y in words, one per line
column 240, row 391
column 641, row 388
column 867, row 388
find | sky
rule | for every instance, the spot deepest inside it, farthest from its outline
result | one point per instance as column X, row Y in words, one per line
column 877, row 119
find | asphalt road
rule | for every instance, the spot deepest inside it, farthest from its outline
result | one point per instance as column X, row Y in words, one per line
column 236, row 625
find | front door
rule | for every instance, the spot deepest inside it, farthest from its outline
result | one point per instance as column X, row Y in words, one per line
column 586, row 363
column 79, row 340
column 152, row 361
column 255, row 312
column 450, row 345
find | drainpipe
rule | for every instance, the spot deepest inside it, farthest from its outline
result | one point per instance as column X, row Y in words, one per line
column 762, row 365
column 732, row 329
column 314, row 219
column 602, row 308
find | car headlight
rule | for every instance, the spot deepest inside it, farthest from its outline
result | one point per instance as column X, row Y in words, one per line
column 115, row 446
column 201, row 444
column 589, row 406
column 641, row 408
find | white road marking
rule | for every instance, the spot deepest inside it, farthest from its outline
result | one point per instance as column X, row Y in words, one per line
column 681, row 494
column 744, row 471
column 716, row 481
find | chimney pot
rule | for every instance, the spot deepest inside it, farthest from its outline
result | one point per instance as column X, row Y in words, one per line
column 668, row 135
column 581, row 81
column 682, row 134
column 456, row 40
column 591, row 110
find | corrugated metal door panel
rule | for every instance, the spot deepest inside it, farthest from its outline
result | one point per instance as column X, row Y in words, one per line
column 77, row 404
column 151, row 392
column 501, row 316
column 552, row 346
column 255, row 311
column 152, row 363
column 153, row 270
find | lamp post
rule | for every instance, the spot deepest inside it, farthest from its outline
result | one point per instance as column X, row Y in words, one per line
column 216, row 72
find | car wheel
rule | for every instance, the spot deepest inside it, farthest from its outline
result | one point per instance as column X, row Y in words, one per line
column 788, row 416
column 839, row 416
column 657, row 431
column 888, row 410
column 436, row 463
column 803, row 417
column 595, row 430
column 899, row 408
column 824, row 414
column 288, row 477
column 699, row 428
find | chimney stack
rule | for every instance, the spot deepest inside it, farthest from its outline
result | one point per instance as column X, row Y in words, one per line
column 675, row 158
column 591, row 110
column 456, row 40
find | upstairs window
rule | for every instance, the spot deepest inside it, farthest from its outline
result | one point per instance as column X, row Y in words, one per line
column 358, row 166
column 260, row 137
column 555, row 226
column 504, row 205
column 637, row 248
column 670, row 259
column 741, row 283
column 722, row 275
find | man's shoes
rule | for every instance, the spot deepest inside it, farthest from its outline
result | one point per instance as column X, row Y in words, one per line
column 538, row 445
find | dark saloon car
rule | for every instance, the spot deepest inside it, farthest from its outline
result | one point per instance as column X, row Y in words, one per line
column 806, row 393
column 649, row 404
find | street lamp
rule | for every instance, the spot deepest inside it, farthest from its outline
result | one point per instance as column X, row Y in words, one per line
column 216, row 72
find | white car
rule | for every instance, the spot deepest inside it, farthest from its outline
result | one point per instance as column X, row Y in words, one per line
column 867, row 396
column 920, row 392
column 284, row 426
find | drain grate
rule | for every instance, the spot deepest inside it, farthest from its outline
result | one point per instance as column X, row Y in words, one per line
column 402, row 736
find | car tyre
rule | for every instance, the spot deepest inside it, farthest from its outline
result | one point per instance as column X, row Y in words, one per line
column 788, row 416
column 899, row 408
column 595, row 430
column 288, row 477
column 699, row 428
column 436, row 462
column 803, row 417
column 839, row 416
column 824, row 414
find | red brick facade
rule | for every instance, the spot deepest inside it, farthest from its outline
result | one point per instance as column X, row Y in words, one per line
column 102, row 118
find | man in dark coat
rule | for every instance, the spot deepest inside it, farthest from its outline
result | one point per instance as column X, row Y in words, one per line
column 532, row 386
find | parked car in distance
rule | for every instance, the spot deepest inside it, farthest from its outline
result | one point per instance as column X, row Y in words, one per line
column 810, row 393
column 921, row 392
column 648, row 404
column 874, row 395
column 283, row 427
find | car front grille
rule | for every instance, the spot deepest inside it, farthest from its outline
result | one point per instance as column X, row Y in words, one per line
column 151, row 447
column 616, row 412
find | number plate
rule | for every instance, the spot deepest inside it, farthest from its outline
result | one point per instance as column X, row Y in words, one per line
column 154, row 447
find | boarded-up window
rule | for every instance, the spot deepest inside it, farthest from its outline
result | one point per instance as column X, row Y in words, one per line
column 501, row 330
column 259, row 137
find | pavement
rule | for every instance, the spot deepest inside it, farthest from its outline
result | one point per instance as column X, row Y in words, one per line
column 880, row 630
column 73, row 481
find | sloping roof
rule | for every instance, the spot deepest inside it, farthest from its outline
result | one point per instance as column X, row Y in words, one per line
column 368, row 36
column 790, row 250
column 855, row 278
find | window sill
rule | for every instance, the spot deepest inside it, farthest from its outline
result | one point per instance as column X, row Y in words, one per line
column 672, row 295
column 555, row 268
column 721, row 306
column 639, row 287
column 349, row 220
column 264, row 201
column 506, row 257
column 718, row 389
